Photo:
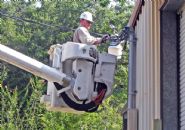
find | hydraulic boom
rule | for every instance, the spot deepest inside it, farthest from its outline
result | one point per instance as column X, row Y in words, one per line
column 33, row 66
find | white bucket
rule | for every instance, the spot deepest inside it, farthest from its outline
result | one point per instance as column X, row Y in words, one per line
column 116, row 50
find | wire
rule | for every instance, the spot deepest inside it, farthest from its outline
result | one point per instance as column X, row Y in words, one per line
column 34, row 22
column 62, row 28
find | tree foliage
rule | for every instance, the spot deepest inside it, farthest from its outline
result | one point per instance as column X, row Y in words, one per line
column 32, row 30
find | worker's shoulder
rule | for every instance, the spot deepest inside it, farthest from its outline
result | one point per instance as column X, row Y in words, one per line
column 81, row 28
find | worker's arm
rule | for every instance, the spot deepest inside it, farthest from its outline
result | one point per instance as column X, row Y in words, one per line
column 85, row 37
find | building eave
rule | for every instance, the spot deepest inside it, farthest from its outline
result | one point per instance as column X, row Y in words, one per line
column 135, row 13
column 137, row 10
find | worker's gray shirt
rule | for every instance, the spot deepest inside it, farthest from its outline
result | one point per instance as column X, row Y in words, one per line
column 82, row 35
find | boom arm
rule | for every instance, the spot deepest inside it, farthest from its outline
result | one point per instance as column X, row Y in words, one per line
column 91, row 75
column 33, row 66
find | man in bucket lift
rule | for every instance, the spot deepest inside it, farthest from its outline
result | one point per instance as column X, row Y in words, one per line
column 82, row 35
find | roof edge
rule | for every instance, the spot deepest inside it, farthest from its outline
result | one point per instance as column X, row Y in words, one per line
column 137, row 10
column 135, row 13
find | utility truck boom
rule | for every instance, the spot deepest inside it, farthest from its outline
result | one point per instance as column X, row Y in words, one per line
column 79, row 78
column 31, row 65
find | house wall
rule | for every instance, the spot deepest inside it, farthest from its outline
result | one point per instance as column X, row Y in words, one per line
column 169, row 70
column 156, row 25
column 147, row 29
column 170, row 85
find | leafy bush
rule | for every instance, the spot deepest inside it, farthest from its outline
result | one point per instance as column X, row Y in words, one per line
column 22, row 110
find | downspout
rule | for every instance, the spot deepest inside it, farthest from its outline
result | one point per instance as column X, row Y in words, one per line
column 132, row 70
column 132, row 111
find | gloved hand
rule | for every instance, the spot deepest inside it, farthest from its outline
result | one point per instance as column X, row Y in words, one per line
column 105, row 38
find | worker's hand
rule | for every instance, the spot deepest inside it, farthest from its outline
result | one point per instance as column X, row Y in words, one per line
column 105, row 38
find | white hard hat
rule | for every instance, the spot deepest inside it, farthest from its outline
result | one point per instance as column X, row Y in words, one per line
column 87, row 16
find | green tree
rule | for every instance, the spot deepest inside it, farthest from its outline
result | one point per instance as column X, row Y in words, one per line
column 31, row 30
